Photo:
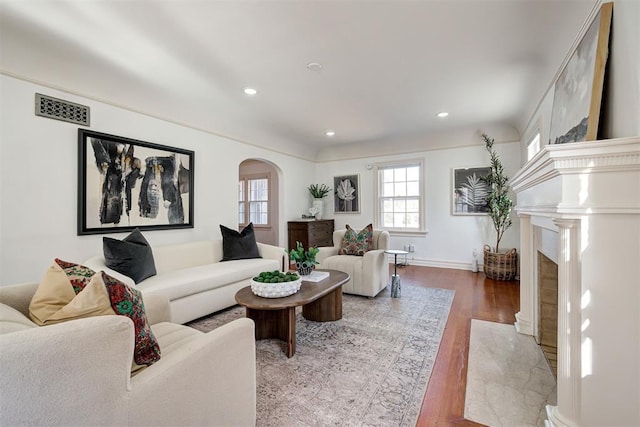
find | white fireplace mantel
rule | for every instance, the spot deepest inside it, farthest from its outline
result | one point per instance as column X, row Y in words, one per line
column 588, row 195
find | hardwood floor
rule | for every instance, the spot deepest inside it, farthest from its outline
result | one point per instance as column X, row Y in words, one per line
column 476, row 298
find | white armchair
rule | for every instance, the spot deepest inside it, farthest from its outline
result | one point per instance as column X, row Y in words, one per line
column 79, row 372
column 368, row 274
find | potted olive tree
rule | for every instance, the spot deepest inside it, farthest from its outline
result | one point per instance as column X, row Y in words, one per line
column 498, row 265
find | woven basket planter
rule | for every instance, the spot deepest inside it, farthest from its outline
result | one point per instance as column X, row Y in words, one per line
column 500, row 266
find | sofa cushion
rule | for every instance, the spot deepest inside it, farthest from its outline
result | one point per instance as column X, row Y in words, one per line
column 131, row 256
column 239, row 245
column 181, row 283
column 357, row 243
column 60, row 284
column 11, row 320
column 172, row 335
column 186, row 255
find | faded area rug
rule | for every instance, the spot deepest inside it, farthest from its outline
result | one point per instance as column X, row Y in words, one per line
column 371, row 367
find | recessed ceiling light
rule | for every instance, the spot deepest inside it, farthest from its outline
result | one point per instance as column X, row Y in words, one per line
column 250, row 91
column 330, row 133
column 314, row 66
column 442, row 114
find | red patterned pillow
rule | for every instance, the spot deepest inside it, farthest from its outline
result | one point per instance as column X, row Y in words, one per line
column 357, row 243
column 127, row 301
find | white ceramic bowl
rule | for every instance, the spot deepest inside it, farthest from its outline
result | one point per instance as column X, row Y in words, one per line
column 275, row 290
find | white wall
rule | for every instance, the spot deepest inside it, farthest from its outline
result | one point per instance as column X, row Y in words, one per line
column 38, row 180
column 450, row 239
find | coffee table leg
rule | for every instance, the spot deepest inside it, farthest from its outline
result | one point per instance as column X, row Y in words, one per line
column 279, row 324
column 325, row 309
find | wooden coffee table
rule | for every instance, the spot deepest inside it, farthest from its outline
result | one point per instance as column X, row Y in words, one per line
column 276, row 317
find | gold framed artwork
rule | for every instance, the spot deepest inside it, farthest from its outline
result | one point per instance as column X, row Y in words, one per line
column 577, row 96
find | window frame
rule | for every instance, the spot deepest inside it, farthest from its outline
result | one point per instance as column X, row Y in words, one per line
column 535, row 136
column 247, row 203
column 378, row 221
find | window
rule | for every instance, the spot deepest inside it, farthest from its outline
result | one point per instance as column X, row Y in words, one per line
column 400, row 196
column 534, row 146
column 253, row 200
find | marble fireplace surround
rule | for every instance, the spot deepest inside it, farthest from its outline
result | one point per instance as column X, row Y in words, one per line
column 579, row 204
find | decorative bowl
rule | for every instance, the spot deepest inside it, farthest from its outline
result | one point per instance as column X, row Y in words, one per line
column 275, row 290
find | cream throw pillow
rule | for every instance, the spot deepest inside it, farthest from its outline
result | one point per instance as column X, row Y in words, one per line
column 58, row 287
column 71, row 291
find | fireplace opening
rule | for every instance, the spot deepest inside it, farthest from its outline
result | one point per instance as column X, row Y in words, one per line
column 548, row 309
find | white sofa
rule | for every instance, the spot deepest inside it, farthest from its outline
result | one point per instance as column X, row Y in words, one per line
column 78, row 373
column 193, row 278
column 369, row 274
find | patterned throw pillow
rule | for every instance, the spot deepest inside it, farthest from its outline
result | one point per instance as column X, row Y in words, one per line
column 71, row 291
column 357, row 243
column 127, row 301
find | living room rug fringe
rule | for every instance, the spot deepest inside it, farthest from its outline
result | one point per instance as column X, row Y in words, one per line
column 371, row 367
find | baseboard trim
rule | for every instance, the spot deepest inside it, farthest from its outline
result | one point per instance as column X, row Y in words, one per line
column 454, row 265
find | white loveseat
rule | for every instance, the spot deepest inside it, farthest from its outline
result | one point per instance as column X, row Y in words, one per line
column 193, row 278
column 78, row 373
column 369, row 274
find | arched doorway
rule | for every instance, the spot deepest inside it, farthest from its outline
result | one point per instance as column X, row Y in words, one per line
column 258, row 199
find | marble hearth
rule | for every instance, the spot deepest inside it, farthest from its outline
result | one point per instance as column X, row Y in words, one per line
column 579, row 205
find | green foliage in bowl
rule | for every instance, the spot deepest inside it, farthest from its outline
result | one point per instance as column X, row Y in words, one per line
column 276, row 277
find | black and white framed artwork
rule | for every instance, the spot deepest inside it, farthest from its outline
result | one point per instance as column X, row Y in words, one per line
column 125, row 184
column 469, row 195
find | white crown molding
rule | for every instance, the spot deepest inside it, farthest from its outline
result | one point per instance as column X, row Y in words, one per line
column 614, row 155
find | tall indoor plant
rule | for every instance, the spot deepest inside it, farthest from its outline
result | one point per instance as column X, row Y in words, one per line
column 497, row 265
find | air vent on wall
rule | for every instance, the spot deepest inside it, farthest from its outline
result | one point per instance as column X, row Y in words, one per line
column 59, row 109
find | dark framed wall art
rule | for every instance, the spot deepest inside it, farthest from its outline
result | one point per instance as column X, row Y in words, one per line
column 346, row 197
column 577, row 96
column 125, row 184
column 469, row 196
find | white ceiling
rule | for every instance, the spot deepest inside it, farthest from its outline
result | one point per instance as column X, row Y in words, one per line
column 388, row 66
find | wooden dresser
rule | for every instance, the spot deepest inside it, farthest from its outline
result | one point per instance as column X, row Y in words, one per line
column 311, row 233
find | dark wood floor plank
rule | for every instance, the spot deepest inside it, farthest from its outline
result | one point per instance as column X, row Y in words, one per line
column 476, row 298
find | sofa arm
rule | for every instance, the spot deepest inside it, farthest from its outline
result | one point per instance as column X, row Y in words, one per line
column 49, row 373
column 209, row 380
column 18, row 296
column 325, row 252
column 157, row 308
column 273, row 252
column 375, row 268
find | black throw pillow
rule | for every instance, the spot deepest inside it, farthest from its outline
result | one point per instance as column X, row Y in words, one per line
column 240, row 245
column 131, row 256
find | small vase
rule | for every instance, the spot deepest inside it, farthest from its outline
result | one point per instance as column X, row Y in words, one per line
column 318, row 204
column 304, row 270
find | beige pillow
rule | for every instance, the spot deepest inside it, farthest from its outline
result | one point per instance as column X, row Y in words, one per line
column 68, row 292
column 92, row 301
column 58, row 287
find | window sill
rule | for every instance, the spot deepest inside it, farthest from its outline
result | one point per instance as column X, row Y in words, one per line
column 406, row 233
